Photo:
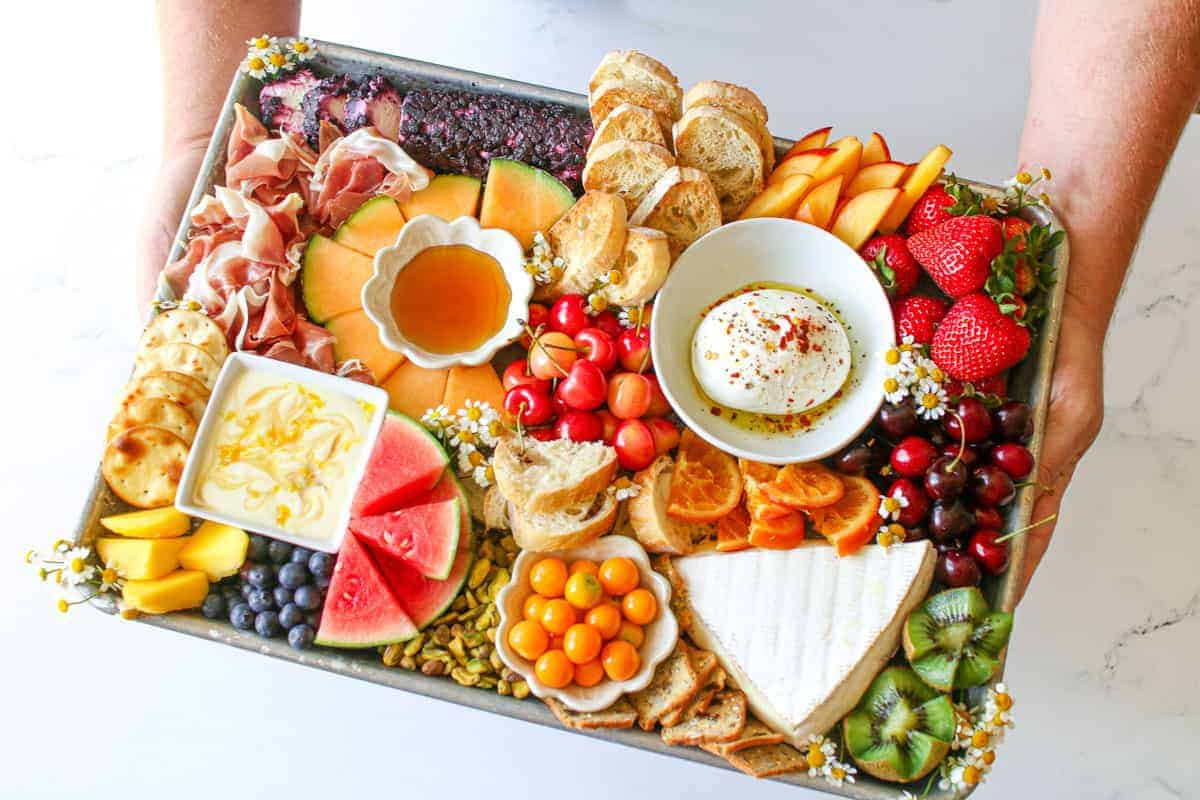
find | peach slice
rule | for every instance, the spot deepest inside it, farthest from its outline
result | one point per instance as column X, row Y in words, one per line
column 780, row 199
column 880, row 175
column 876, row 150
column 804, row 163
column 818, row 205
column 861, row 215
column 919, row 178
column 810, row 141
column 844, row 161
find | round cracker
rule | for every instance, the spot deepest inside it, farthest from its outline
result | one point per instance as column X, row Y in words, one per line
column 154, row 411
column 190, row 327
column 143, row 466
column 174, row 386
column 179, row 357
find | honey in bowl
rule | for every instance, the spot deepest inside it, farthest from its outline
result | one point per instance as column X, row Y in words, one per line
column 450, row 299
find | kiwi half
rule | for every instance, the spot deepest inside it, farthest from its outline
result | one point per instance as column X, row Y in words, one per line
column 954, row 640
column 901, row 728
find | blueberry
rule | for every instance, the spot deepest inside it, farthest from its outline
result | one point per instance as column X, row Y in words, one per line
column 257, row 551
column 279, row 552
column 313, row 618
column 282, row 596
column 244, row 572
column 308, row 598
column 321, row 565
column 267, row 624
column 321, row 582
column 301, row 637
column 241, row 616
column 260, row 600
column 214, row 606
column 293, row 575
column 301, row 555
column 261, row 576
column 245, row 589
column 291, row 615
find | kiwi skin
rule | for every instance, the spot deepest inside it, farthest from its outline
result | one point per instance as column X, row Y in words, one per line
column 954, row 640
column 888, row 747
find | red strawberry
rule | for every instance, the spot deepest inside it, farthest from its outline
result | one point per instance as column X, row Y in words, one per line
column 997, row 385
column 1015, row 227
column 918, row 316
column 892, row 263
column 975, row 340
column 958, row 253
column 932, row 208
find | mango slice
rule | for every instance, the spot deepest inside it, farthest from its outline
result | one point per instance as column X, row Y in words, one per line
column 157, row 523
column 179, row 590
column 216, row 550
column 140, row 559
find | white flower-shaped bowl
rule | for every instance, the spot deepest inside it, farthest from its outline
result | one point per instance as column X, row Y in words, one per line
column 421, row 233
column 661, row 634
column 794, row 254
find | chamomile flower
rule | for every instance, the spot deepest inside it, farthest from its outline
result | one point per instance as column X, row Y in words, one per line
column 632, row 317
column 277, row 62
column 931, row 400
column 76, row 569
column 492, row 430
column 958, row 773
column 437, row 419
column 472, row 415
column 894, row 389
column 890, row 535
column 624, row 489
column 899, row 359
column 302, row 49
column 836, row 773
column 110, row 580
column 468, row 458
column 820, row 754
column 255, row 66
column 541, row 263
column 997, row 709
column 262, row 43
column 597, row 301
column 890, row 505
column 462, row 436
column 484, row 475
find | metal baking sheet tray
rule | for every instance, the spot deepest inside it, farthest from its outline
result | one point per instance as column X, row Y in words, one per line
column 1029, row 381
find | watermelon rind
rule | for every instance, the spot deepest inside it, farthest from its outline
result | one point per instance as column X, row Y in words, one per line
column 350, row 628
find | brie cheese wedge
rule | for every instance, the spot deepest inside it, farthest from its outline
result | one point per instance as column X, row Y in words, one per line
column 802, row 631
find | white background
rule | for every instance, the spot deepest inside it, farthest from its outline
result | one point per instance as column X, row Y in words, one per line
column 1103, row 659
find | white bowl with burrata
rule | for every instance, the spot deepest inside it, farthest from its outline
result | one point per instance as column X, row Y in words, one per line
column 767, row 339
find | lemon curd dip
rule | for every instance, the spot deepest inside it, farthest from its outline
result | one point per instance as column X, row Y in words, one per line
column 283, row 454
column 450, row 299
column 771, row 357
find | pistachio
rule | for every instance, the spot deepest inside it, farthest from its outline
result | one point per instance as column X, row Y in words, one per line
column 471, row 601
column 473, row 638
column 456, row 630
column 461, row 676
column 432, row 668
column 442, row 635
column 520, row 690
column 476, row 666
column 430, row 651
column 499, row 581
column 478, row 572
column 456, row 647
column 414, row 644
column 485, row 650
column 447, row 618
column 509, row 675
column 497, row 664
column 467, row 616
column 408, row 662
column 459, row 603
column 487, row 683
column 391, row 655
column 510, row 545
column 503, row 687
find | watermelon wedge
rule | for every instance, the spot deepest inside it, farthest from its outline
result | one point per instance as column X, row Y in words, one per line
column 423, row 598
column 406, row 462
column 360, row 608
column 425, row 536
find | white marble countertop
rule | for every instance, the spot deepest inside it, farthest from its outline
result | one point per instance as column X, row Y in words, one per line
column 1104, row 654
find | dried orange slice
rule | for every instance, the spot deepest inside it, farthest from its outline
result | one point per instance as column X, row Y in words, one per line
column 781, row 533
column 705, row 484
column 733, row 531
column 850, row 522
column 811, row 485
column 755, row 476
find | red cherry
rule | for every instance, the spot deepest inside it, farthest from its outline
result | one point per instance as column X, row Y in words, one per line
column 517, row 374
column 988, row 517
column 598, row 347
column 528, row 405
column 659, row 406
column 1013, row 458
column 969, row 455
column 609, row 422
column 569, row 314
column 584, row 388
column 607, row 321
column 629, row 395
column 558, row 405
column 913, row 456
column 914, row 513
column 633, row 349
column 579, row 426
column 991, row 555
column 634, row 444
column 666, row 435
column 991, row 486
column 957, row 569
column 976, row 421
column 538, row 316
column 543, row 434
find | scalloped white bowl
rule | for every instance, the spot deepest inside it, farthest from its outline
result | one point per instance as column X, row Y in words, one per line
column 425, row 231
column 661, row 635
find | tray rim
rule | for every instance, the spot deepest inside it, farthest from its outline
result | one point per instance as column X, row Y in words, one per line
column 366, row 665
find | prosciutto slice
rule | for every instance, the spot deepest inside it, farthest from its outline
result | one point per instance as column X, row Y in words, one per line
column 355, row 168
column 263, row 167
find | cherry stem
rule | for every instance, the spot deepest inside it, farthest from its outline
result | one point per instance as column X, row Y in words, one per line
column 534, row 337
column 962, row 442
column 641, row 315
column 1042, row 486
column 520, row 425
column 1028, row 527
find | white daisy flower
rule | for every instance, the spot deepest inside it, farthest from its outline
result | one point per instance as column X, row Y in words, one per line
column 438, row 419
column 888, row 536
column 483, row 475
column 890, row 505
column 931, row 400
column 466, row 458
column 302, row 49
column 624, row 489
column 629, row 317
column 898, row 359
column 76, row 570
column 470, row 417
column 836, row 773
column 541, row 263
column 255, row 66
column 111, row 580
column 820, row 753
column 894, row 389
column 277, row 61
column 262, row 43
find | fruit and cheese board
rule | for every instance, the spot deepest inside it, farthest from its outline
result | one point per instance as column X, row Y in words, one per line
column 645, row 421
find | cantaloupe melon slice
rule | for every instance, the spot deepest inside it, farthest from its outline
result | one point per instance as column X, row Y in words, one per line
column 356, row 336
column 413, row 390
column 473, row 383
column 522, row 199
column 375, row 225
column 331, row 278
column 446, row 196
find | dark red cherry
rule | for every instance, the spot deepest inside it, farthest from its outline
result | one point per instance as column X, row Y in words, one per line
column 970, row 453
column 1013, row 421
column 956, row 569
column 970, row 419
column 988, row 517
column 913, row 456
column 991, row 555
column 1015, row 459
column 991, row 486
column 946, row 478
column 913, row 513
column 897, row 421
column 854, row 460
column 949, row 520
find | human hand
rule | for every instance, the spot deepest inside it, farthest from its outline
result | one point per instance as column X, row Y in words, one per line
column 1072, row 423
column 160, row 218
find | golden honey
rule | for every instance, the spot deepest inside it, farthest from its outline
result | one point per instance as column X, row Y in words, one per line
column 450, row 299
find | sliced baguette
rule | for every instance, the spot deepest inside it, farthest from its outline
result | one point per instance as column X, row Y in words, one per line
column 572, row 526
column 643, row 266
column 641, row 70
column 740, row 101
column 590, row 238
column 726, row 147
column 495, row 510
column 631, row 123
column 606, row 97
column 543, row 477
column 683, row 204
column 628, row 169
column 647, row 511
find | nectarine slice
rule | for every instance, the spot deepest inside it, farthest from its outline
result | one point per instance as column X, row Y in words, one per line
column 818, row 205
column 804, row 163
column 780, row 199
column 920, row 178
column 861, row 215
column 844, row 161
column 810, row 141
column 876, row 150
column 881, row 175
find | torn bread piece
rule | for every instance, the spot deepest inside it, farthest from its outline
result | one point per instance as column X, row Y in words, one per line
column 628, row 169
column 683, row 204
column 728, row 149
column 639, row 69
column 631, row 123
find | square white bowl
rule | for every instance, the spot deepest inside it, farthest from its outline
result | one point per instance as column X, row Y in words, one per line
column 238, row 364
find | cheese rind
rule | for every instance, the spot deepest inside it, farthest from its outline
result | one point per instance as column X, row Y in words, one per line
column 802, row 631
